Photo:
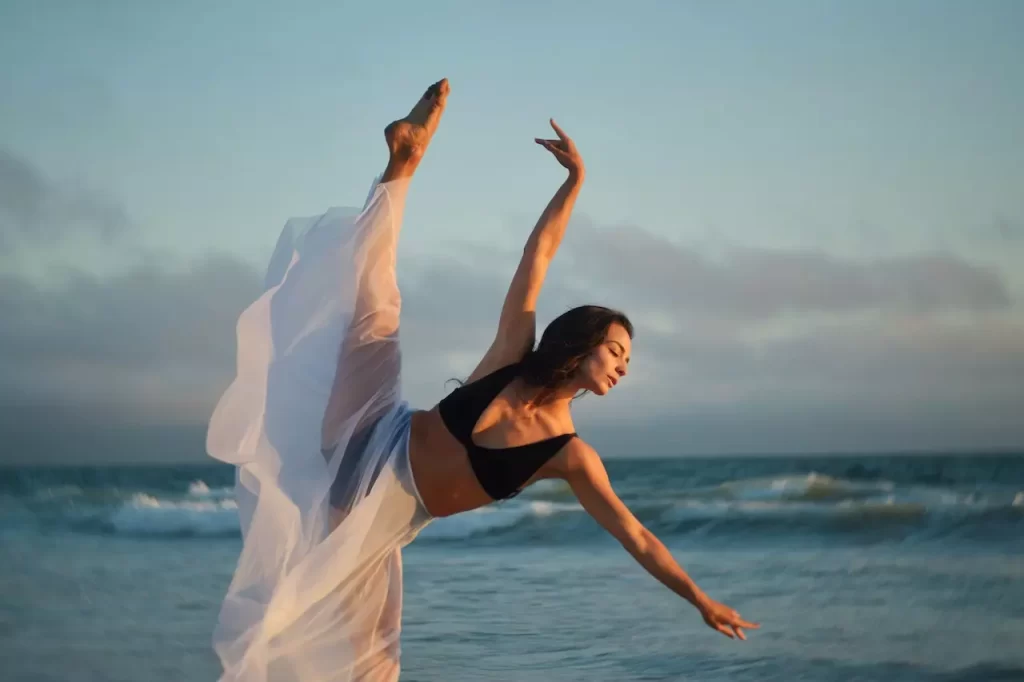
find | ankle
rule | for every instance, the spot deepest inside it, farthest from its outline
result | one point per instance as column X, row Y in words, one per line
column 398, row 168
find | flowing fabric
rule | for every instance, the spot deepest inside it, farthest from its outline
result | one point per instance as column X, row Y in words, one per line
column 316, row 427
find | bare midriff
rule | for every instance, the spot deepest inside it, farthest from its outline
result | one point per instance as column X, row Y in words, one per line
column 441, row 468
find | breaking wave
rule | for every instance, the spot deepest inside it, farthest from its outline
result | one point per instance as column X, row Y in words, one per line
column 763, row 508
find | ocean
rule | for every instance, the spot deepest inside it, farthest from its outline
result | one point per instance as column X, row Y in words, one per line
column 858, row 568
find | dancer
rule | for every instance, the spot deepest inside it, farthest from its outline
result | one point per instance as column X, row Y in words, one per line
column 335, row 473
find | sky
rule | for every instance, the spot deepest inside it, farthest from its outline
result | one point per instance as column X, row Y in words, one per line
column 812, row 211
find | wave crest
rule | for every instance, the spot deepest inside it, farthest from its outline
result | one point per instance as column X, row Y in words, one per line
column 757, row 509
column 150, row 516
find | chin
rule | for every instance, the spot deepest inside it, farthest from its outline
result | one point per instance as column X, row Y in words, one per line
column 594, row 385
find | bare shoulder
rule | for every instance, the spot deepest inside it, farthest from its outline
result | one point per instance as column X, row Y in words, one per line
column 576, row 459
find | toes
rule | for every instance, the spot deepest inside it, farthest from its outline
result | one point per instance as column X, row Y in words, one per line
column 437, row 92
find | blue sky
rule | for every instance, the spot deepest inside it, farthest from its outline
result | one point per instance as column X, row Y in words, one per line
column 859, row 141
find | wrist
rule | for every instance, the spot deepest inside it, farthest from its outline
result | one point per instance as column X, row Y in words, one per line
column 576, row 177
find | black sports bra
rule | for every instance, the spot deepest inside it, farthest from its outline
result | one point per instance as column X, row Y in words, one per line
column 501, row 471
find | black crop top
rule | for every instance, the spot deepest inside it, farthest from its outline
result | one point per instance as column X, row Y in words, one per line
column 500, row 470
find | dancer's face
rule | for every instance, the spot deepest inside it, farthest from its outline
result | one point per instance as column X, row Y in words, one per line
column 607, row 363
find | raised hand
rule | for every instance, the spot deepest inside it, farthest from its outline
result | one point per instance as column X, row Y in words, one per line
column 564, row 150
column 720, row 617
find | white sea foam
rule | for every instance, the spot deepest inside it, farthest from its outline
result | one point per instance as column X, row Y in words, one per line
column 147, row 515
column 201, row 490
column 489, row 519
column 812, row 486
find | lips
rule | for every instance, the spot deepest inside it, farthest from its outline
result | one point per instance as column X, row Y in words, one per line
column 613, row 379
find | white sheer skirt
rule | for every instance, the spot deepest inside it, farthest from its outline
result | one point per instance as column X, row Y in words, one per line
column 316, row 427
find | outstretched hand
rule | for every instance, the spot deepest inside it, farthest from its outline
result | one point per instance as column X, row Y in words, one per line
column 564, row 150
column 720, row 617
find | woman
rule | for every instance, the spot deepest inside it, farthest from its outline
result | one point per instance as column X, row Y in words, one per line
column 336, row 473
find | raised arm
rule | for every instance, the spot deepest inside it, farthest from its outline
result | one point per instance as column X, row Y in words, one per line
column 589, row 481
column 517, row 324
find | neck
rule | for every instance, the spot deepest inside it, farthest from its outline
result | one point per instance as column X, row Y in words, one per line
column 539, row 398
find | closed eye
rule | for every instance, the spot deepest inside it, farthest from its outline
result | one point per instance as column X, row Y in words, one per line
column 619, row 352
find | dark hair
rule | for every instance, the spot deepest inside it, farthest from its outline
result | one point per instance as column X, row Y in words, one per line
column 566, row 342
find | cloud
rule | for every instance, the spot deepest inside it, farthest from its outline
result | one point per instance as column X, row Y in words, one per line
column 149, row 344
column 757, row 284
column 1008, row 230
column 889, row 363
column 35, row 210
column 744, row 350
column 756, row 428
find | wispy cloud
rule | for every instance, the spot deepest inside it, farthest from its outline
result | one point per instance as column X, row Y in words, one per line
column 750, row 343
column 758, row 283
column 36, row 210
column 1008, row 230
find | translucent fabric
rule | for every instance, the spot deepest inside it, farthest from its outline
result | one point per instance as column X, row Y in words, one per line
column 316, row 427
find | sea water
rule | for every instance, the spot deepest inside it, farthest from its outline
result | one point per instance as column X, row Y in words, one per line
column 858, row 568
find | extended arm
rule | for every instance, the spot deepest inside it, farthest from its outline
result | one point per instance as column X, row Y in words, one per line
column 517, row 324
column 589, row 481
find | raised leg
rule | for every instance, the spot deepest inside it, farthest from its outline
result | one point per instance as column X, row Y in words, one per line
column 369, row 360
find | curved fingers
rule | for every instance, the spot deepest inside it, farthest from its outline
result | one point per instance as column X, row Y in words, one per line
column 558, row 131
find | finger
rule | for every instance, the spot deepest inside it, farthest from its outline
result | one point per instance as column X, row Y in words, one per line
column 561, row 133
column 725, row 631
column 739, row 632
column 553, row 148
column 735, row 619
